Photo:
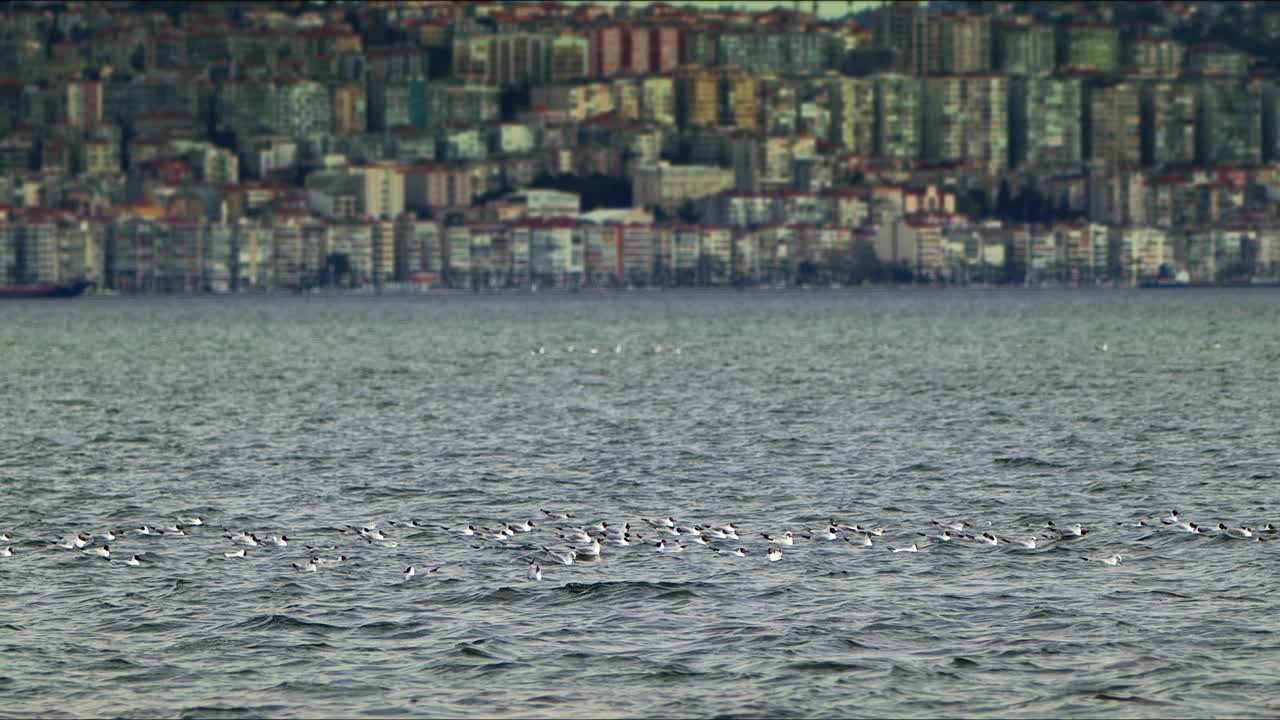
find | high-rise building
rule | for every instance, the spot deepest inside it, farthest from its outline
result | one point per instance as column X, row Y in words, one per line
column 1114, row 121
column 664, row 48
column 570, row 58
column 1159, row 56
column 853, row 103
column 965, row 120
column 636, row 56
column 658, row 99
column 1229, row 122
column 1092, row 47
column 1169, row 122
column 606, row 50
column 84, row 103
column 739, row 99
column 897, row 116
column 964, row 43
column 1046, row 115
column 904, row 27
column 349, row 110
column 1023, row 47
column 697, row 97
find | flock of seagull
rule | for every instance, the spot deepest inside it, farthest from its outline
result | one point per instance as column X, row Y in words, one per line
column 557, row 539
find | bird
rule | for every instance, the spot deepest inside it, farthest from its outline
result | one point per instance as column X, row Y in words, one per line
column 1074, row 530
column 564, row 558
column 786, row 538
column 557, row 515
column 1171, row 519
column 409, row 572
column 1112, row 560
column 535, row 571
column 588, row 551
column 6, row 537
column 987, row 538
column 309, row 566
column 235, row 553
column 910, row 548
column 281, row 541
column 134, row 561
column 102, row 552
column 774, row 554
column 193, row 520
column 6, row 552
column 736, row 552
column 1240, row 533
column 664, row 546
column 1030, row 543
column 865, row 541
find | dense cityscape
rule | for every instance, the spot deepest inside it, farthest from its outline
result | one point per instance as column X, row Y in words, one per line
column 271, row 146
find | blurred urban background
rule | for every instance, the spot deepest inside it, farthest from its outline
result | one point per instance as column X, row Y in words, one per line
column 173, row 147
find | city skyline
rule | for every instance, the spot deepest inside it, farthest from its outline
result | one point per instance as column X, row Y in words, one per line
column 279, row 146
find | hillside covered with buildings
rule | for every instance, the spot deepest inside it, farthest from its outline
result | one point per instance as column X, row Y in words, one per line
column 180, row 147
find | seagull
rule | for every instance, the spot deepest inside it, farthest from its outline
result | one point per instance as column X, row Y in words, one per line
column 1171, row 519
column 736, row 552
column 1240, row 533
column 1189, row 527
column 774, row 554
column 1113, row 560
column 102, row 552
column 74, row 542
column 466, row 531
column 281, row 541
column 624, row 541
column 134, row 561
column 865, row 541
column 831, row 533
column 987, row 538
column 786, row 538
column 558, row 515
column 672, row 548
column 526, row 526
column 144, row 530
column 669, row 522
column 576, row 536
column 6, row 552
column 6, row 537
column 589, row 551
column 1030, row 543
column 108, row 536
column 235, row 553
column 910, row 548
column 944, row 536
column 1071, row 531
column 564, row 558
column 408, row 572
column 535, row 571
column 309, row 566
column 193, row 520
column 955, row 526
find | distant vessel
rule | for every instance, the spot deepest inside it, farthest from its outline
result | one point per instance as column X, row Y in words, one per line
column 49, row 290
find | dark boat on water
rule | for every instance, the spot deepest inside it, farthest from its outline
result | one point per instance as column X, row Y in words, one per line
column 51, row 290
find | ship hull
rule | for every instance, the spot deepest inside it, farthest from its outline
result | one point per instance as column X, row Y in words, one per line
column 62, row 290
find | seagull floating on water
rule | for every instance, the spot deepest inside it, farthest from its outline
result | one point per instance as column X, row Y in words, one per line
column 102, row 552
column 235, row 553
column 193, row 520
column 774, row 554
column 786, row 538
column 1112, row 560
column 309, row 566
column 6, row 552
column 134, row 561
column 910, row 548
column 535, row 571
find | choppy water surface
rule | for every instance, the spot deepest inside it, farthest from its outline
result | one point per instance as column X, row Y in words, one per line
column 775, row 411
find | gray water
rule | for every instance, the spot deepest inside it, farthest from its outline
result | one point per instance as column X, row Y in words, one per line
column 772, row 410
